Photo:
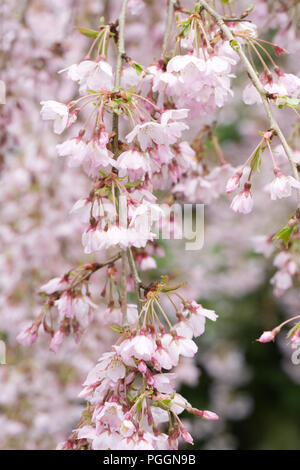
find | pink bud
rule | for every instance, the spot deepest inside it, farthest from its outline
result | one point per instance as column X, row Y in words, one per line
column 28, row 336
column 186, row 436
column 233, row 183
column 268, row 135
column 267, row 336
column 150, row 379
column 142, row 367
column 56, row 341
column 296, row 337
column 210, row 415
column 205, row 414
column 279, row 50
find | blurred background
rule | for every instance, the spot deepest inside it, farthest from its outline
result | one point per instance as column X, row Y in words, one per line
column 253, row 387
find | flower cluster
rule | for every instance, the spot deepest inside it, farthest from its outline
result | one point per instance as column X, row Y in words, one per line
column 131, row 397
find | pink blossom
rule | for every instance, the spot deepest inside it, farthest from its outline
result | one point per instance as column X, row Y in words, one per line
column 162, row 358
column 164, row 133
column 112, row 415
column 74, row 148
column 178, row 345
column 97, row 157
column 107, row 440
column 242, row 202
column 28, row 336
column 96, row 240
column 91, row 75
column 164, row 382
column 58, row 112
column 182, row 62
column 109, row 366
column 56, row 284
column 140, row 347
column 182, row 328
column 282, row 281
column 112, row 316
column 147, row 263
column 127, row 428
column 282, row 186
column 133, row 163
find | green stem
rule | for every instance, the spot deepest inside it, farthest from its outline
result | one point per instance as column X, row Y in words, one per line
column 136, row 279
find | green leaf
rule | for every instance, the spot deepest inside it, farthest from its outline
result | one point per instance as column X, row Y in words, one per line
column 89, row 33
column 138, row 68
column 284, row 234
column 167, row 401
column 132, row 184
column 287, row 101
column 293, row 330
column 256, row 159
column 292, row 102
column 116, row 328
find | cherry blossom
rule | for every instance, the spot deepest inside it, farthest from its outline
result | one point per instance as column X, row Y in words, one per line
column 282, row 186
column 243, row 202
column 57, row 112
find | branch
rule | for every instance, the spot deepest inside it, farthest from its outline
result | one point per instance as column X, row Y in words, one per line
column 115, row 129
column 90, row 268
column 258, row 85
column 169, row 24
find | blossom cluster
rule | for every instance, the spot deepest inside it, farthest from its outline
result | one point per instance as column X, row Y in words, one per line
column 165, row 116
column 130, row 395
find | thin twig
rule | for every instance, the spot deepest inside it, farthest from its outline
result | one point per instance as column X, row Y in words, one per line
column 136, row 279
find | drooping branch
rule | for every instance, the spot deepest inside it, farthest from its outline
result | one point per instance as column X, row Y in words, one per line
column 257, row 84
column 115, row 129
column 88, row 271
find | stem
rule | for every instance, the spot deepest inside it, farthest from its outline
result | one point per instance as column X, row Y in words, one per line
column 218, row 149
column 272, row 156
column 169, row 24
column 287, row 321
column 259, row 87
column 136, row 279
column 115, row 129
